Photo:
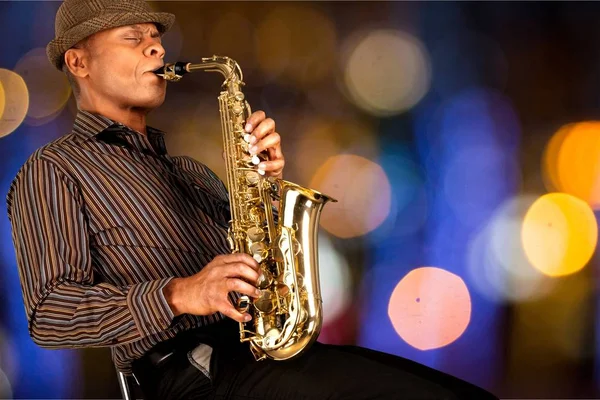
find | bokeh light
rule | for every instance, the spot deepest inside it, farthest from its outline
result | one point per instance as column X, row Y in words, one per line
column 8, row 365
column 559, row 234
column 318, row 138
column 497, row 265
column 5, row 386
column 2, row 100
column 363, row 192
column 572, row 161
column 300, row 33
column 49, row 88
column 334, row 276
column 430, row 308
column 16, row 101
column 550, row 159
column 386, row 71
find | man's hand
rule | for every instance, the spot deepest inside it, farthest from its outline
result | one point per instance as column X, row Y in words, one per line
column 263, row 137
column 206, row 292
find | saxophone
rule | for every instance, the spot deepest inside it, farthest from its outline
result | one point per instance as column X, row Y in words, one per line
column 287, row 316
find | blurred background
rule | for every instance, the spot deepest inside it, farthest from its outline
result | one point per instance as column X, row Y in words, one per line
column 462, row 141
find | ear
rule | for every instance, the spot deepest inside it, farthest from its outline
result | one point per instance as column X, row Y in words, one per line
column 76, row 61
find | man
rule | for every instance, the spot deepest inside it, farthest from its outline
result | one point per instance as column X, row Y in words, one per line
column 121, row 245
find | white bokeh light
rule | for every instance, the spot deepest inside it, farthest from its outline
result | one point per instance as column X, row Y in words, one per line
column 335, row 280
column 386, row 71
column 497, row 264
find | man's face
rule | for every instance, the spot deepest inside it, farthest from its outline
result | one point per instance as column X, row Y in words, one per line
column 120, row 65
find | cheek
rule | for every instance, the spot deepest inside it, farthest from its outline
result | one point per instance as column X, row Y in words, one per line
column 117, row 68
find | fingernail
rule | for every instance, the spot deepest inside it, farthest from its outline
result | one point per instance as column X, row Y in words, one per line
column 262, row 166
column 253, row 149
column 252, row 139
column 247, row 318
column 258, row 292
column 248, row 128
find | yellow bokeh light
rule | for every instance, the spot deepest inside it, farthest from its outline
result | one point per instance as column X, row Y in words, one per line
column 2, row 99
column 559, row 234
column 386, row 71
column 16, row 101
column 363, row 192
column 49, row 88
column 430, row 308
column 571, row 162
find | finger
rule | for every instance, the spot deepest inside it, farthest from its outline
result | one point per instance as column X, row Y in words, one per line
column 275, row 153
column 234, row 314
column 240, row 270
column 253, row 120
column 270, row 141
column 265, row 128
column 241, row 257
column 274, row 166
column 240, row 286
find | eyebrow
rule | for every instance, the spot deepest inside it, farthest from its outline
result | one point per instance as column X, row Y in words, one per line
column 153, row 32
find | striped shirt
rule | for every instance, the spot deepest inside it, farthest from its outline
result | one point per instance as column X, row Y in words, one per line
column 102, row 219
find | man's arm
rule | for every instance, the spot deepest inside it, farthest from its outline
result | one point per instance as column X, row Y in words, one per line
column 65, row 305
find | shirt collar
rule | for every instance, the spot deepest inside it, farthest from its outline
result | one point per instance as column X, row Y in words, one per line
column 91, row 126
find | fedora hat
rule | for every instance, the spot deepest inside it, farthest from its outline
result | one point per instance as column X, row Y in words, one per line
column 78, row 19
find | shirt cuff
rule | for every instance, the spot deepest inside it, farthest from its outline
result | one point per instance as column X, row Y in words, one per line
column 149, row 307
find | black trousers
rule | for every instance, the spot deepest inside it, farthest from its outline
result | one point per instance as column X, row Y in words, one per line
column 323, row 372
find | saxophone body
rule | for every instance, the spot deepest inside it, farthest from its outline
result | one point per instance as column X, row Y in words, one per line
column 287, row 317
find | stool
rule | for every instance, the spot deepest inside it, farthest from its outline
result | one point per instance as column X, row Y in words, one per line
column 126, row 391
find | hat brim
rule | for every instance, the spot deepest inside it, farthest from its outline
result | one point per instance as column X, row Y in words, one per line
column 57, row 47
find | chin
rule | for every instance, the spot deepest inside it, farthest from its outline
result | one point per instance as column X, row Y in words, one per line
column 150, row 102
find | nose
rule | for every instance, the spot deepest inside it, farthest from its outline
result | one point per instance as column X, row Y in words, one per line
column 155, row 50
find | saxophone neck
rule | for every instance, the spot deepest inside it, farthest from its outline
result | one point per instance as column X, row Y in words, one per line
column 230, row 70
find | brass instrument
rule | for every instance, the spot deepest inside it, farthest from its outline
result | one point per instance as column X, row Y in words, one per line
column 287, row 317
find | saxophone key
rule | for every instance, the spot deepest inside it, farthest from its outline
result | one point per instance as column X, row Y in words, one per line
column 252, row 178
column 243, row 304
column 237, row 109
column 266, row 302
column 265, row 279
column 258, row 251
column 239, row 96
column 256, row 234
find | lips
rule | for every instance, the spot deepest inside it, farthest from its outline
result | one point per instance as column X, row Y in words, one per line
column 156, row 69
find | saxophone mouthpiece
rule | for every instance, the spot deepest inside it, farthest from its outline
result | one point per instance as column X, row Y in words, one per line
column 172, row 72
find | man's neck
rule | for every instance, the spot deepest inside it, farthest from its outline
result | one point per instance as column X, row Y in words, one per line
column 130, row 117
